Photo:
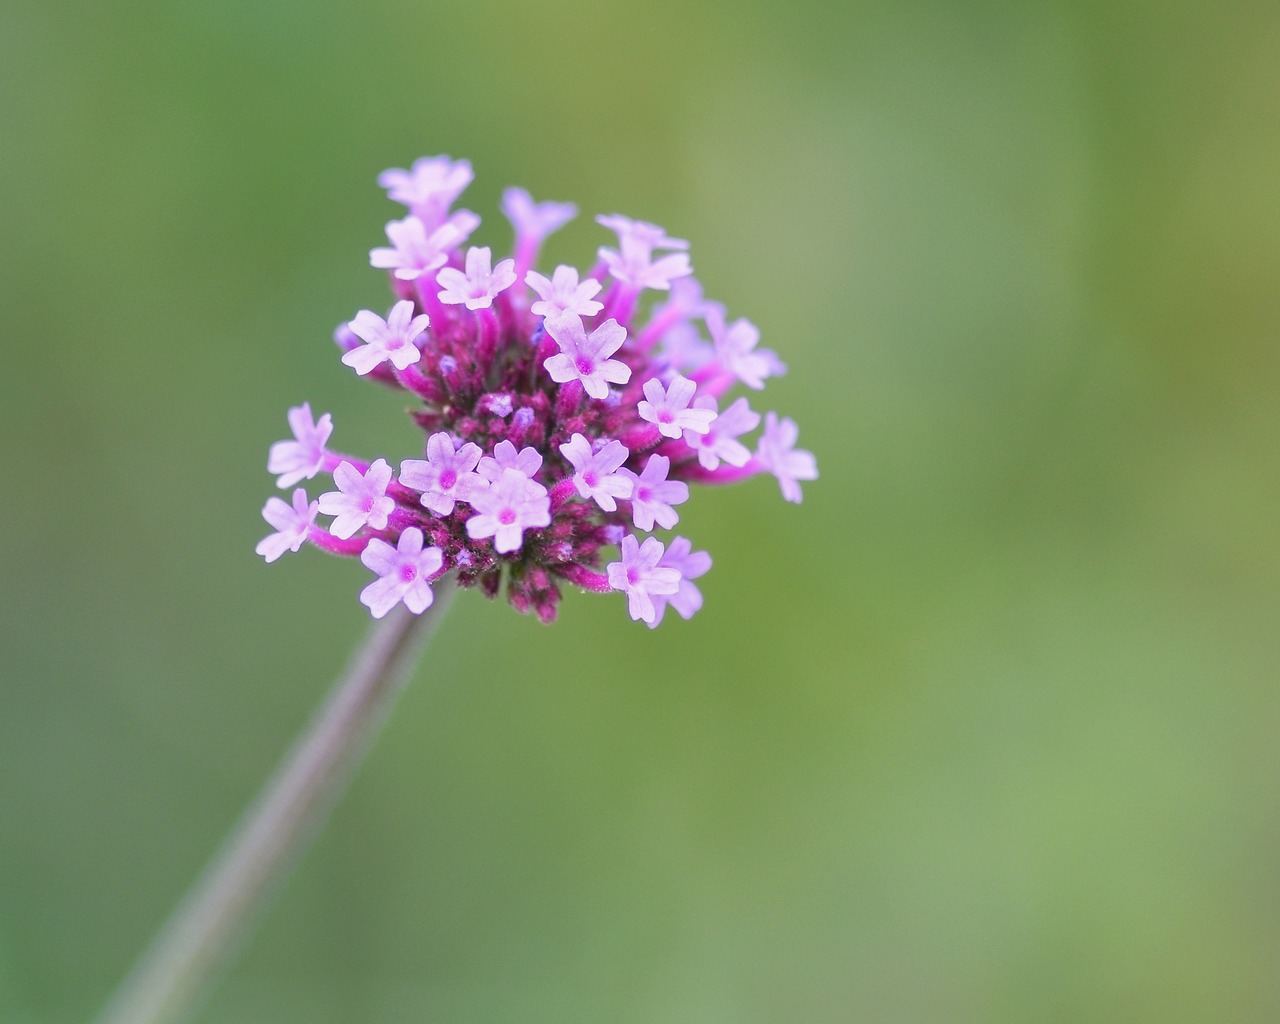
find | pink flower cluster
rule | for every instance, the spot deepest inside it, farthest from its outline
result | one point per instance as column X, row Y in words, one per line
column 560, row 421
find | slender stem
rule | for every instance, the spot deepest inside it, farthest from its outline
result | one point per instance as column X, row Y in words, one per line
column 217, row 913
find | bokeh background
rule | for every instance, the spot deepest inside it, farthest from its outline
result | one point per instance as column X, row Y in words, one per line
column 984, row 731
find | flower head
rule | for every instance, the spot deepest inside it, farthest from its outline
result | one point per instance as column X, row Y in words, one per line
column 557, row 426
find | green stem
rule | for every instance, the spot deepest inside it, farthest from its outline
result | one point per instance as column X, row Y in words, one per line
column 215, row 916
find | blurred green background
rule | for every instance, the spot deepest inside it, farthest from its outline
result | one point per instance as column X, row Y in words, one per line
column 984, row 731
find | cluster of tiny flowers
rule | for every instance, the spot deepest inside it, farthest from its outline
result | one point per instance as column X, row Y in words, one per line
column 560, row 421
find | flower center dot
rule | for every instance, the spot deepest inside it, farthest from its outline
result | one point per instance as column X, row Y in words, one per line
column 448, row 478
column 507, row 516
column 585, row 366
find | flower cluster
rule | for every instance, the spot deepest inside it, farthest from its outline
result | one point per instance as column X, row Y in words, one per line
column 560, row 421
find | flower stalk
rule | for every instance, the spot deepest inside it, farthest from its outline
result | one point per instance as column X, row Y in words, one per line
column 167, row 983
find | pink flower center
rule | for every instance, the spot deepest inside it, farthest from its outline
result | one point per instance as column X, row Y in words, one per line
column 590, row 478
column 632, row 575
column 585, row 366
column 507, row 516
column 448, row 478
column 644, row 493
column 408, row 573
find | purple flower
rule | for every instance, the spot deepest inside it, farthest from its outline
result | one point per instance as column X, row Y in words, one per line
column 535, row 221
column 777, row 452
column 684, row 349
column 392, row 338
column 596, row 474
column 640, row 231
column 527, row 461
column 720, row 442
column 690, row 564
column 685, row 300
column 508, row 508
column 360, row 500
column 635, row 265
column 291, row 523
column 447, row 474
column 429, row 188
column 563, row 293
column 415, row 251
column 639, row 574
column 303, row 457
column 561, row 415
column 652, row 495
column 735, row 348
column 669, row 408
column 404, row 573
column 670, row 325
column 463, row 222
column 586, row 358
column 476, row 288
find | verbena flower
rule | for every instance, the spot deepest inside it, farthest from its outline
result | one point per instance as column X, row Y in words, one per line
column 292, row 524
column 586, row 359
column 564, row 293
column 690, row 564
column 390, row 340
column 476, row 288
column 562, row 416
column 404, row 573
column 304, row 456
column 639, row 575
column 669, row 408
